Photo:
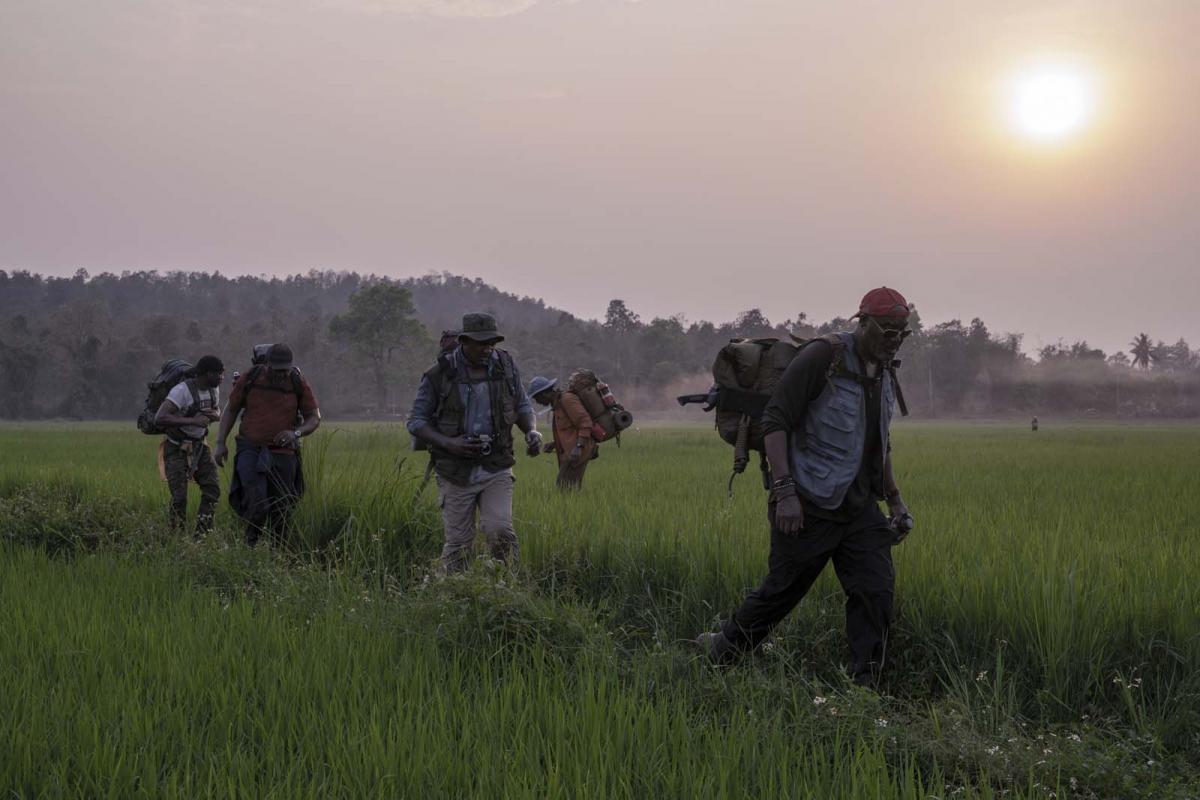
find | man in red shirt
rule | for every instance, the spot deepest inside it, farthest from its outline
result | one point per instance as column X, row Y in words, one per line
column 277, row 408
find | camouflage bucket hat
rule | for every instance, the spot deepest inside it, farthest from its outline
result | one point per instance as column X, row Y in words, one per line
column 481, row 328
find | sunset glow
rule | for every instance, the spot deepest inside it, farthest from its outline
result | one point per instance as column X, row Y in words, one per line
column 1051, row 103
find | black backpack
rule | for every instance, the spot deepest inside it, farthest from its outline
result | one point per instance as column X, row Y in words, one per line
column 171, row 373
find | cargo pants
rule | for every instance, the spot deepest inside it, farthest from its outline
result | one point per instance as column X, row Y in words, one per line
column 491, row 498
column 182, row 464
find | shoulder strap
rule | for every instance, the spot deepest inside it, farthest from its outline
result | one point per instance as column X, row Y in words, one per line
column 837, row 364
column 252, row 383
column 899, row 392
column 508, row 372
column 441, row 375
column 195, row 392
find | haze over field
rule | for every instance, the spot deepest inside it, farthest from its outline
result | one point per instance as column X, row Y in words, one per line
column 691, row 157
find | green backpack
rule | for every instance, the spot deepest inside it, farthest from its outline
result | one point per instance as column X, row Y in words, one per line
column 745, row 373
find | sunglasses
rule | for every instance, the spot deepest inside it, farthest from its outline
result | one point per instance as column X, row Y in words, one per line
column 892, row 334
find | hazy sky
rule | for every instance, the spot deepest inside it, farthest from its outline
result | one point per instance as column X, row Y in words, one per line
column 690, row 156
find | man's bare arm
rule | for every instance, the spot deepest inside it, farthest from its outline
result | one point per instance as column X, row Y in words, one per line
column 168, row 416
column 891, row 491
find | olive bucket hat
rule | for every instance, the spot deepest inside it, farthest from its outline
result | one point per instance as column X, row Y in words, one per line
column 480, row 327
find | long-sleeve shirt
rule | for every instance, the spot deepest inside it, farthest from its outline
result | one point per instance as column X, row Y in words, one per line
column 572, row 425
column 801, row 384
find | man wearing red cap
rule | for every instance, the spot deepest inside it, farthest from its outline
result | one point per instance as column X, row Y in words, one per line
column 827, row 439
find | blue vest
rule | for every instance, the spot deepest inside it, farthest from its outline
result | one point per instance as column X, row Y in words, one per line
column 828, row 459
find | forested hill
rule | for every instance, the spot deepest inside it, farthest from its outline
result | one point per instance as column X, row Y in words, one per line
column 83, row 347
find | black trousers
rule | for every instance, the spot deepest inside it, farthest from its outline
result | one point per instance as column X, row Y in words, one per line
column 862, row 557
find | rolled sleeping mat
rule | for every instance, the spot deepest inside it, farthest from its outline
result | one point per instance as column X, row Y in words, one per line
column 622, row 419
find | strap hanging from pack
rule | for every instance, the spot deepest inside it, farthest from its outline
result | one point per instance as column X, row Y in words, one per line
column 741, row 445
column 899, row 392
column 741, row 451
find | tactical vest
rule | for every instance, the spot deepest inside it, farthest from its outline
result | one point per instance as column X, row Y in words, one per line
column 827, row 460
column 445, row 377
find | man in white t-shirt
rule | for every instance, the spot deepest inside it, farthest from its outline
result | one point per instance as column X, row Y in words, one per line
column 191, row 406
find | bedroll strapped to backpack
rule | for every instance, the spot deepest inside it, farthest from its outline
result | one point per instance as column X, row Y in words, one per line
column 745, row 373
column 609, row 417
column 169, row 375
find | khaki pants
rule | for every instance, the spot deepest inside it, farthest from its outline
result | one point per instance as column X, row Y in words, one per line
column 493, row 499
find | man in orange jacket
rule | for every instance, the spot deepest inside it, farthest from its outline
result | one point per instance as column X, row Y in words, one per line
column 572, row 428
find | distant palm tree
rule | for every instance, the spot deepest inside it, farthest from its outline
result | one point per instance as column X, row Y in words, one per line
column 1142, row 350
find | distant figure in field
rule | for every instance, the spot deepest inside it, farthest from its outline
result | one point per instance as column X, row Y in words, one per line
column 464, row 410
column 277, row 408
column 827, row 440
column 190, row 407
column 572, row 429
column 1034, row 425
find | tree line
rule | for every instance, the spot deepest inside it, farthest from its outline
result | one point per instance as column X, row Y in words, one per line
column 83, row 347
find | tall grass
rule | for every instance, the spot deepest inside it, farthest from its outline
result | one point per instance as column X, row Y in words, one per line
column 1048, row 592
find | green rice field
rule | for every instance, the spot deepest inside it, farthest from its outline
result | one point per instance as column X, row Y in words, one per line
column 1047, row 640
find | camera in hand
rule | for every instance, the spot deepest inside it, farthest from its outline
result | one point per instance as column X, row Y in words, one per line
column 484, row 441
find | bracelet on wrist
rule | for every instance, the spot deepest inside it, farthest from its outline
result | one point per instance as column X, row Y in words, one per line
column 786, row 480
column 783, row 492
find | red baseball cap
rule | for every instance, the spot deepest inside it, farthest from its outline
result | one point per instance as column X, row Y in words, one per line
column 883, row 302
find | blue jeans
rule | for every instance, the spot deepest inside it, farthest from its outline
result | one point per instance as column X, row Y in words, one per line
column 268, row 490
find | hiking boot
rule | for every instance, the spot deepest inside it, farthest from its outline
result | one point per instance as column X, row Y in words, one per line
column 715, row 647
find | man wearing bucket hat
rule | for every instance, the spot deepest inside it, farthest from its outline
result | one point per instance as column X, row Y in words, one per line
column 827, row 439
column 277, row 407
column 572, row 429
column 464, row 410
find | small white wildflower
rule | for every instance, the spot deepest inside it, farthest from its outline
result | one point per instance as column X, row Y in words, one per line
column 881, row 723
column 991, row 751
column 1047, row 751
column 1150, row 763
column 1074, row 784
column 982, row 676
column 1074, row 737
column 819, row 701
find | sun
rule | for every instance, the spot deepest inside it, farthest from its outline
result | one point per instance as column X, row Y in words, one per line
column 1051, row 103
